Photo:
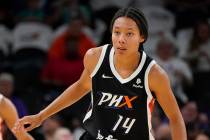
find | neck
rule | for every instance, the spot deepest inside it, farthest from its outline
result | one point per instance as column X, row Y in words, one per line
column 130, row 62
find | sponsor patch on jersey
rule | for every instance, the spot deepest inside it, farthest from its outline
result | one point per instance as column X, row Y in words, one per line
column 138, row 83
column 101, row 137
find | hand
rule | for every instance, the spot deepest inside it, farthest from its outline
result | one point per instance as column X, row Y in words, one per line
column 27, row 123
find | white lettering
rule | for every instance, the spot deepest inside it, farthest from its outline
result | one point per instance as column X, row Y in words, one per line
column 105, row 97
column 115, row 100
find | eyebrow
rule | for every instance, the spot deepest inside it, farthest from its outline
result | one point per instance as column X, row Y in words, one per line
column 127, row 28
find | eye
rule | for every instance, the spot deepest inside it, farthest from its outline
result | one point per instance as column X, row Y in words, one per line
column 116, row 32
column 130, row 34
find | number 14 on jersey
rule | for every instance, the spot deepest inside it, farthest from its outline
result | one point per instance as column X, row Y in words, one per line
column 126, row 123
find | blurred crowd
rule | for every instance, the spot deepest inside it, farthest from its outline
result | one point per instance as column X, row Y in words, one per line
column 42, row 44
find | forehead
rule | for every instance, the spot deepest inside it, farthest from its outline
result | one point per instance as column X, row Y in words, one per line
column 125, row 22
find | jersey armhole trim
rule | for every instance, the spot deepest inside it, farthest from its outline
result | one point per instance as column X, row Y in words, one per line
column 89, row 113
column 101, row 58
column 146, row 81
column 1, row 97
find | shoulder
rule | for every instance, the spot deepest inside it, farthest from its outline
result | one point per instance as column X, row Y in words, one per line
column 4, row 103
column 156, row 70
column 92, row 57
column 157, row 77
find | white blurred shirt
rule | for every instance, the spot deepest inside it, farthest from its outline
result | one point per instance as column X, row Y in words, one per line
column 173, row 66
column 5, row 39
column 32, row 34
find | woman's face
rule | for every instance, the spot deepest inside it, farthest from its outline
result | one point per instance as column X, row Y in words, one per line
column 126, row 36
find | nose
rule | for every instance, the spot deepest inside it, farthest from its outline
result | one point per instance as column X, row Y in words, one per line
column 122, row 39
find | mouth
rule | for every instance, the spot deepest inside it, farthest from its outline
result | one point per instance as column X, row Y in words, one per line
column 122, row 49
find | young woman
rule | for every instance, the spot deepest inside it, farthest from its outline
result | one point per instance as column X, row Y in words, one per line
column 9, row 115
column 124, row 83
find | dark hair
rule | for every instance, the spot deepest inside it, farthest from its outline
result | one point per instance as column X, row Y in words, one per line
column 196, row 39
column 136, row 15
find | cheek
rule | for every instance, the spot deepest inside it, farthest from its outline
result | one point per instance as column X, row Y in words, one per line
column 134, row 41
column 114, row 39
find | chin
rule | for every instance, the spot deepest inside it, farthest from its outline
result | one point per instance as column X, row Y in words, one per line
column 121, row 52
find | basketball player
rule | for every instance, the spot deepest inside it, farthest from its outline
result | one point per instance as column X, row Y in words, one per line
column 124, row 84
column 9, row 114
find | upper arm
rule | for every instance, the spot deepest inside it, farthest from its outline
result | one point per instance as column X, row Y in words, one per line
column 90, row 61
column 159, row 84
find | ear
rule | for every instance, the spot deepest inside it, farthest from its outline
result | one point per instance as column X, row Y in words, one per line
column 141, row 39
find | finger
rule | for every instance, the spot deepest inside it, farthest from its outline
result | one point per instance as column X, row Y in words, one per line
column 16, row 130
column 21, row 122
column 30, row 127
column 24, row 120
column 16, row 127
column 20, row 132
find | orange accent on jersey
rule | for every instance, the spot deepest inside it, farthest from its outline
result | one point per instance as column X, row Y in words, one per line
column 128, row 101
column 151, row 105
column 1, row 135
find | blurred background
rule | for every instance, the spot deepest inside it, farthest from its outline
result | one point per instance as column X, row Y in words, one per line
column 42, row 44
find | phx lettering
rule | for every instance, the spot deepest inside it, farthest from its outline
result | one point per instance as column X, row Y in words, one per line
column 116, row 101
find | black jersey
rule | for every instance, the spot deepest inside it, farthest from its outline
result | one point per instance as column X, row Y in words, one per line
column 121, row 108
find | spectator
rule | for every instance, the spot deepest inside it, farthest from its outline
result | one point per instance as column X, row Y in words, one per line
column 199, row 48
column 64, row 64
column 50, row 126
column 179, row 72
column 8, row 114
column 7, row 89
column 77, row 128
column 163, row 132
column 191, row 118
column 198, row 56
column 202, row 136
column 63, row 134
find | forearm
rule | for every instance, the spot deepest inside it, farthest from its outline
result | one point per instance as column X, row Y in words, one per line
column 178, row 129
column 67, row 98
column 24, row 136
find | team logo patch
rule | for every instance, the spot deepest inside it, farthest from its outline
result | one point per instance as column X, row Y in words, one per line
column 117, row 101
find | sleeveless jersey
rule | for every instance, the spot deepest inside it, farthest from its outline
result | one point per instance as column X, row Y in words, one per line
column 121, row 107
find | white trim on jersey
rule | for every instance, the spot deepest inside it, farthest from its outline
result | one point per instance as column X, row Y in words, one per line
column 133, row 75
column 101, row 58
column 1, row 97
column 89, row 113
column 146, row 82
column 149, row 99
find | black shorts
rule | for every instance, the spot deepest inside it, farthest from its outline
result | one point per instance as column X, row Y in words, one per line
column 86, row 136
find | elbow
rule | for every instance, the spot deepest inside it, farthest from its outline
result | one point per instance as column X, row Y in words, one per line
column 82, row 87
column 176, row 118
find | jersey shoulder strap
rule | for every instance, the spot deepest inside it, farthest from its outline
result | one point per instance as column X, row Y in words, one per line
column 101, row 59
column 1, row 97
